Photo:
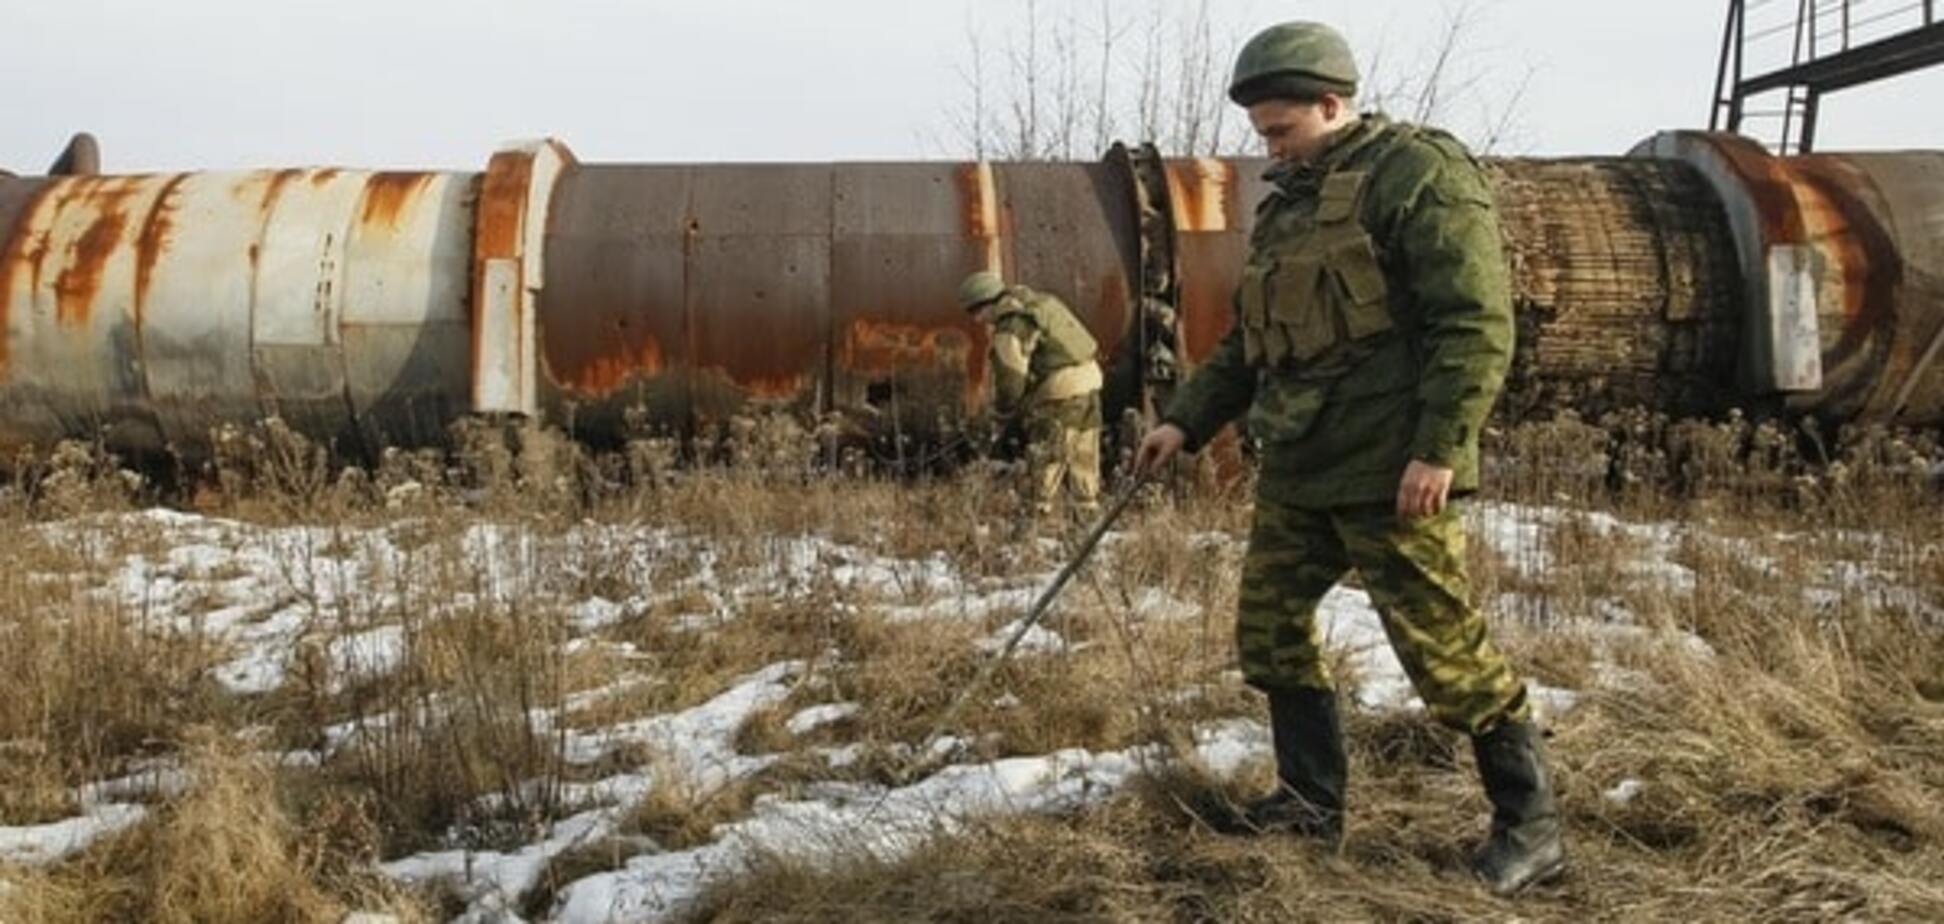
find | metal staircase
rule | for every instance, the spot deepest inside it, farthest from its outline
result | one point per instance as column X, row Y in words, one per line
column 1806, row 49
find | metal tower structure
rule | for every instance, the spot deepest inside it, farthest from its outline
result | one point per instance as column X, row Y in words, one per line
column 1808, row 48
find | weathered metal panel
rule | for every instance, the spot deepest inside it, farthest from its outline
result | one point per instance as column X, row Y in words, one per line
column 1882, row 258
column 908, row 362
column 759, row 261
column 1212, row 214
column 613, row 317
column 74, row 273
column 509, row 266
column 299, row 269
column 194, row 303
column 405, row 324
column 1072, row 230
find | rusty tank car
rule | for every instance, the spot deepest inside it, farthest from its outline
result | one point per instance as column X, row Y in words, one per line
column 375, row 308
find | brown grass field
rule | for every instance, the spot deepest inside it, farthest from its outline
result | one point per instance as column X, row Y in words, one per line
column 1745, row 624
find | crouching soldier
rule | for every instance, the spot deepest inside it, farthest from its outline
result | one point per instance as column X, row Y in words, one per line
column 1044, row 376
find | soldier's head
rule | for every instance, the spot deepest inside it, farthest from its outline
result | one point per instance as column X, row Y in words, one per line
column 1297, row 79
column 979, row 292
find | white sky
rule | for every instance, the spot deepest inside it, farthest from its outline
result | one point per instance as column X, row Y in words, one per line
column 186, row 84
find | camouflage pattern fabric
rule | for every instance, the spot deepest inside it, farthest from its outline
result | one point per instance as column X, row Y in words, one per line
column 1338, row 421
column 1414, row 571
column 1063, row 453
column 1036, row 339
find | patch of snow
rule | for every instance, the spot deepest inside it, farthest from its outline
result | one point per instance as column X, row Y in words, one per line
column 40, row 844
column 968, row 606
column 1624, row 792
column 655, row 887
column 1036, row 639
column 366, row 655
column 490, row 880
column 596, row 613
column 814, row 717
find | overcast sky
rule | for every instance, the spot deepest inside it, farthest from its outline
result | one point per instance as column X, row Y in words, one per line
column 209, row 84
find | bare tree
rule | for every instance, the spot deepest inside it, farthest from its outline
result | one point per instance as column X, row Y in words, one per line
column 1068, row 88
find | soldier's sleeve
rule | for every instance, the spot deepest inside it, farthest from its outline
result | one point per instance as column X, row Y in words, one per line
column 1218, row 391
column 1013, row 341
column 1447, row 235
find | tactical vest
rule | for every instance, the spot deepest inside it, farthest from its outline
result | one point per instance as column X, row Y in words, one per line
column 1318, row 298
column 1062, row 365
column 1064, row 341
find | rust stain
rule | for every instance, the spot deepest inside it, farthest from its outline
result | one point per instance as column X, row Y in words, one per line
column 498, row 223
column 604, row 373
column 87, row 256
column 36, row 254
column 1863, row 253
column 877, row 347
column 387, row 196
column 274, row 187
column 1110, row 318
column 979, row 203
column 502, row 205
column 19, row 252
column 153, row 239
column 1770, row 184
column 1870, row 262
column 770, row 388
column 1202, row 192
column 326, row 175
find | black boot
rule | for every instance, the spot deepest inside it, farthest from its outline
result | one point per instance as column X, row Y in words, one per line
column 1524, row 848
column 1310, row 767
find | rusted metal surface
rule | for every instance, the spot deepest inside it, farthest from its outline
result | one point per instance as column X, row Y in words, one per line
column 758, row 287
column 1624, row 284
column 509, row 271
column 1214, row 208
column 905, row 361
column 1841, row 257
column 405, row 328
column 696, row 292
column 371, row 309
column 1884, row 232
column 613, row 320
column 147, row 310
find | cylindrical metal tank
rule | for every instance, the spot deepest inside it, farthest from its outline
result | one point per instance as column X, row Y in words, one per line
column 149, row 309
column 371, row 309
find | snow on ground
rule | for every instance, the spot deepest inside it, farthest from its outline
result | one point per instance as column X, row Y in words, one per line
column 263, row 592
column 37, row 844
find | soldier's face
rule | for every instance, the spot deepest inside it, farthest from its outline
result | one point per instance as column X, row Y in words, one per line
column 1296, row 131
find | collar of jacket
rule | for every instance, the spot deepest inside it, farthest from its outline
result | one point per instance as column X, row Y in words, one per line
column 1293, row 178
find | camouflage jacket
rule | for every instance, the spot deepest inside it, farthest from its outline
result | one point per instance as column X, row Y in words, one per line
column 1040, row 351
column 1373, row 323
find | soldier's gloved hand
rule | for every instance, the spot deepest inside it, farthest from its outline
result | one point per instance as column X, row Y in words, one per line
column 1157, row 447
column 1423, row 490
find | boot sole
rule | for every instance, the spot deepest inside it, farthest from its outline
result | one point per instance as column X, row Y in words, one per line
column 1553, row 872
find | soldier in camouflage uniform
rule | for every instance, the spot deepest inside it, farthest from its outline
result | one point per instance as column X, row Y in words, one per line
column 1044, row 374
column 1373, row 332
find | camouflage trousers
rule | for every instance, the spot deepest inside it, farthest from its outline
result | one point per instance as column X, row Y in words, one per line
column 1063, row 452
column 1414, row 571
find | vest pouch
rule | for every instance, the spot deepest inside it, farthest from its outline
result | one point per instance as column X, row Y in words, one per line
column 1358, row 289
column 1297, row 308
column 1252, row 302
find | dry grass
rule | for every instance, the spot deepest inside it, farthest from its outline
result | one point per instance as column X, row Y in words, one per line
column 1792, row 775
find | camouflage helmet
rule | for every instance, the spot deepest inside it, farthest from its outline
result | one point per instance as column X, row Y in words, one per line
column 980, row 288
column 1298, row 60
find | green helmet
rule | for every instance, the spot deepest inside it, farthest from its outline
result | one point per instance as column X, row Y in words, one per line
column 1299, row 60
column 979, row 288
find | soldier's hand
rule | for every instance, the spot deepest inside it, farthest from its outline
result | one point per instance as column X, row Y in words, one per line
column 1424, row 489
column 1160, row 445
